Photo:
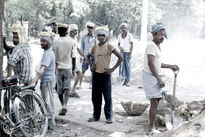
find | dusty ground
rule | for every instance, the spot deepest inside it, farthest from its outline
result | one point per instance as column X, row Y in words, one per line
column 189, row 88
column 79, row 110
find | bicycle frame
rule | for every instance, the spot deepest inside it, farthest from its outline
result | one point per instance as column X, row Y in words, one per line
column 6, row 108
column 7, row 102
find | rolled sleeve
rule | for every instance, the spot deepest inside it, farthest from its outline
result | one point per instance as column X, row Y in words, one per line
column 46, row 60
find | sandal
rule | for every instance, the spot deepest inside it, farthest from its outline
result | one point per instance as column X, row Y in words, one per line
column 92, row 119
column 63, row 111
column 109, row 121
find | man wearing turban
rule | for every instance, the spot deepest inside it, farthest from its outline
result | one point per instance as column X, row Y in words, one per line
column 20, row 60
column 101, row 74
column 125, row 44
column 152, row 73
column 73, row 31
column 47, row 75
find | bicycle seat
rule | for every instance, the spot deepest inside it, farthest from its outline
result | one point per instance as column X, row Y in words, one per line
column 13, row 80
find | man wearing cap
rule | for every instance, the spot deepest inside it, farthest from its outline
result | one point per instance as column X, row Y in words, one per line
column 87, row 41
column 47, row 76
column 101, row 77
column 65, row 64
column 20, row 60
column 125, row 44
column 152, row 73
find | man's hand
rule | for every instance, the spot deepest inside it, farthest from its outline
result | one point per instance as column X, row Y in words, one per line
column 130, row 55
column 56, row 65
column 93, row 67
column 81, row 60
column 34, row 81
column 121, row 49
column 174, row 67
column 108, row 71
column 4, row 37
column 161, row 83
column 73, row 73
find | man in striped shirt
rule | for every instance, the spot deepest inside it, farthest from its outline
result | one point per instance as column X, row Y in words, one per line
column 20, row 60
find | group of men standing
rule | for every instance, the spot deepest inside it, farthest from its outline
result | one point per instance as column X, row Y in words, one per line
column 59, row 63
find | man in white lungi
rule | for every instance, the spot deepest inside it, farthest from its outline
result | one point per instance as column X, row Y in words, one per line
column 152, row 74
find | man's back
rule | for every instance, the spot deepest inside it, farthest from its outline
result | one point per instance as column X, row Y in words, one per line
column 22, row 61
column 63, row 49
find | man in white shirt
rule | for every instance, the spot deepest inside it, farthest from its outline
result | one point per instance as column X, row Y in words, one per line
column 65, row 64
column 73, row 31
column 125, row 44
column 152, row 73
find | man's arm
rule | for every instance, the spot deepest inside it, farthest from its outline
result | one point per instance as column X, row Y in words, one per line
column 81, row 53
column 151, row 65
column 131, row 48
column 121, row 49
column 88, row 57
column 9, row 70
column 40, row 74
column 82, row 46
column 92, row 66
column 172, row 67
column 73, row 64
column 108, row 71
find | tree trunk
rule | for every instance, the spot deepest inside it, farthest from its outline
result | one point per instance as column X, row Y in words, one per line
column 2, row 3
column 38, row 21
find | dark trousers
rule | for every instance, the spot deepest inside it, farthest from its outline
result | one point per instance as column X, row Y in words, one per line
column 101, row 85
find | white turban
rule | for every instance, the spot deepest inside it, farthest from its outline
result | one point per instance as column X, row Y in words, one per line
column 63, row 25
column 123, row 24
column 157, row 27
column 21, row 31
column 103, row 30
column 73, row 27
column 48, row 36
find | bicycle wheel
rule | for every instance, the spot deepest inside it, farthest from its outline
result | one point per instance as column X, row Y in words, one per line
column 31, row 113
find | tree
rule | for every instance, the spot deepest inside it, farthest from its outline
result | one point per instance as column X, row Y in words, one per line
column 2, row 4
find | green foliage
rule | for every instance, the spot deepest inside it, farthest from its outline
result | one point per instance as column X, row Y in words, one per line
column 108, row 12
column 53, row 10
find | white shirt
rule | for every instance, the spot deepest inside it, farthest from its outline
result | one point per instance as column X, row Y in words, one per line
column 75, row 52
column 153, row 49
column 125, row 42
column 64, row 52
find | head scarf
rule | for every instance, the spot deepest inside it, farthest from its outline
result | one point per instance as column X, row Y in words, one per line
column 62, row 25
column 73, row 27
column 102, row 30
column 123, row 24
column 21, row 31
column 48, row 36
column 90, row 24
column 157, row 27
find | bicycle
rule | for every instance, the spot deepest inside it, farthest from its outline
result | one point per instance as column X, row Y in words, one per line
column 23, row 110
